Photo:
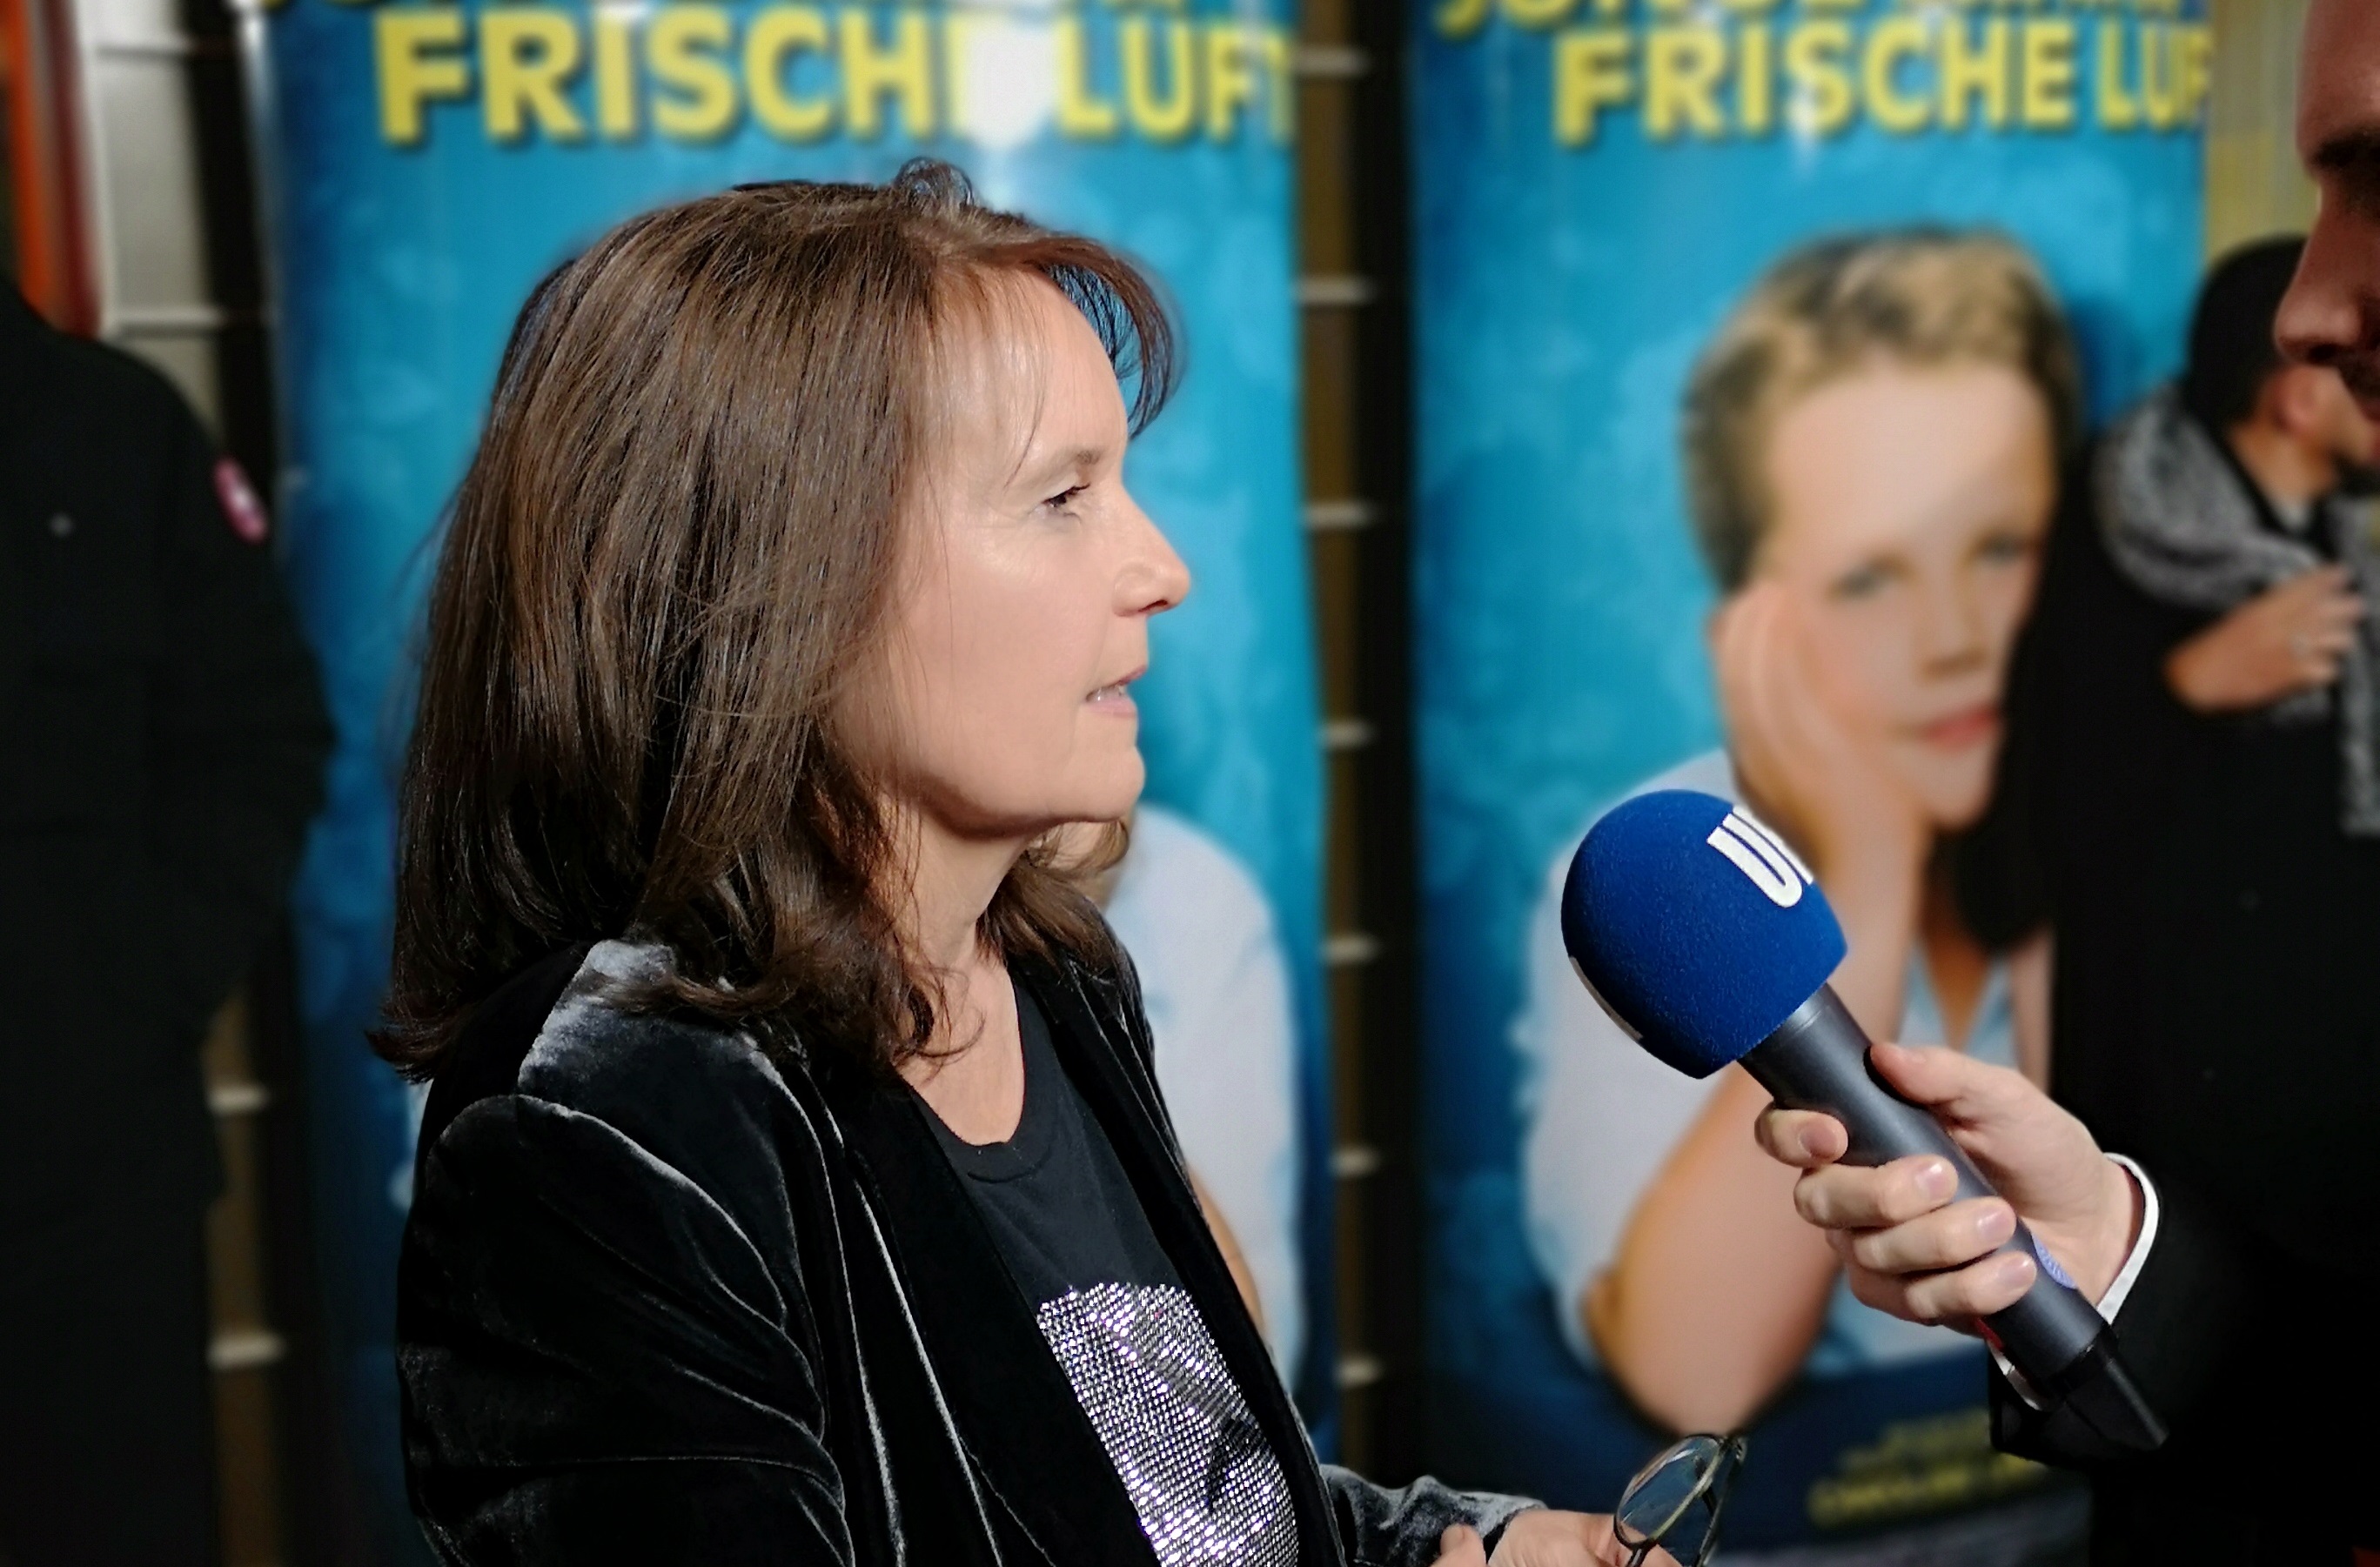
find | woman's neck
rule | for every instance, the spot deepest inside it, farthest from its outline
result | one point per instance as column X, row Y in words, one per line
column 1956, row 963
column 951, row 880
column 2293, row 472
column 973, row 1073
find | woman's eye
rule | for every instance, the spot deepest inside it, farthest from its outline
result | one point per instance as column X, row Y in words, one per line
column 2005, row 549
column 1064, row 498
column 1864, row 583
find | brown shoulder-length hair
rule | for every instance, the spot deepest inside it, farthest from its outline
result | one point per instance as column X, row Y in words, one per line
column 669, row 569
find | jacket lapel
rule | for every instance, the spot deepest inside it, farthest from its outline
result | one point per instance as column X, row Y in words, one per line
column 1014, row 1408
column 1100, row 1036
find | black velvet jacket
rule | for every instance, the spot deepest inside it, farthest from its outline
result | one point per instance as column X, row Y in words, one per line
column 664, row 1299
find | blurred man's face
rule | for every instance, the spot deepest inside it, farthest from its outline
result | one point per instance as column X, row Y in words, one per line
column 2332, row 315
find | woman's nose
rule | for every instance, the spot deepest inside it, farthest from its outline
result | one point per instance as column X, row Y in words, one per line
column 1950, row 632
column 1154, row 578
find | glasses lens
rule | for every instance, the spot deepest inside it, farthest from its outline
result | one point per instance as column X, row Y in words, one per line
column 1665, row 1491
column 1690, row 1541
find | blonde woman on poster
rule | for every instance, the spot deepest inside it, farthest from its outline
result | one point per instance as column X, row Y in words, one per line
column 1872, row 448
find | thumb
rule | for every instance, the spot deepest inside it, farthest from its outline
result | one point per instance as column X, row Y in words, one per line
column 1461, row 1546
column 1956, row 1087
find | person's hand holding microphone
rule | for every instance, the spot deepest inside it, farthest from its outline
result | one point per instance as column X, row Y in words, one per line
column 1711, row 946
column 1910, row 1246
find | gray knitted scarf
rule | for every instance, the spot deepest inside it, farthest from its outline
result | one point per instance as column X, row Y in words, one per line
column 2182, row 527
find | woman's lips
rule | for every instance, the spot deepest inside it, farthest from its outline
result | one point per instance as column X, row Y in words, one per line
column 1961, row 731
column 1115, row 699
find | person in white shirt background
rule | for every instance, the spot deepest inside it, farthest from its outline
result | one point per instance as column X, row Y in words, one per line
column 1872, row 448
column 1215, row 986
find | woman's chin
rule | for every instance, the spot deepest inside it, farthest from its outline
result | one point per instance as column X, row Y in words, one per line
column 1952, row 792
column 1029, row 807
column 1117, row 806
column 1953, row 811
column 1106, row 798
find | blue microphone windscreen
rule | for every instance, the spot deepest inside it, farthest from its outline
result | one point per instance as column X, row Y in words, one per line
column 1696, row 926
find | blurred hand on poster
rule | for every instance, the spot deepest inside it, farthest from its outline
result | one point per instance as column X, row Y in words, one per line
column 1809, row 774
column 1906, row 1247
column 1692, row 1357
column 1805, row 768
column 1542, row 1537
column 2287, row 639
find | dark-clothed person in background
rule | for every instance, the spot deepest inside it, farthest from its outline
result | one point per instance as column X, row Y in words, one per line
column 2199, row 725
column 163, row 739
column 2194, row 747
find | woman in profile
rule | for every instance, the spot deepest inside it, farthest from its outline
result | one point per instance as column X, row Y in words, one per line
column 795, row 1187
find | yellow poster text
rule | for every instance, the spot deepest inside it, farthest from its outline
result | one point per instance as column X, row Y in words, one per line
column 695, row 72
column 1742, row 69
column 1905, row 75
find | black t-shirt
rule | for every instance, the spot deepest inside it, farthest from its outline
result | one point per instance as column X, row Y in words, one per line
column 1064, row 1215
column 1059, row 1205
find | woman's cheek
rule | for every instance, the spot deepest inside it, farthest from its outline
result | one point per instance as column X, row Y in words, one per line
column 2009, row 602
column 1858, row 658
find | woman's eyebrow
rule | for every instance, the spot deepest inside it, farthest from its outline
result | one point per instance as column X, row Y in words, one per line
column 1072, row 460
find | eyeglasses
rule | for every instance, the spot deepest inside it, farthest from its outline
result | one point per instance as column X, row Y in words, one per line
column 1680, row 1493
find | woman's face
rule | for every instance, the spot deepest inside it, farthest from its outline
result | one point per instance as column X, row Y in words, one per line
column 1023, row 614
column 1909, row 507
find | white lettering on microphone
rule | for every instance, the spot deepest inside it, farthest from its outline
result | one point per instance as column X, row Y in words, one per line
column 1762, row 856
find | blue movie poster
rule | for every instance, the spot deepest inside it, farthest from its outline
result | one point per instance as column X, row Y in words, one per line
column 1752, row 336
column 428, row 162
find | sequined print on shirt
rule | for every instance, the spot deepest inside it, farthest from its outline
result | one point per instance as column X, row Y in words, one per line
column 1206, row 1488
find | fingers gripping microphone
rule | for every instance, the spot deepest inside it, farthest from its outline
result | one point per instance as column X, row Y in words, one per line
column 1709, row 942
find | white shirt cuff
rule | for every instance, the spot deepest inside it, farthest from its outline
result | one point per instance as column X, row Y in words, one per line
column 2130, row 1274
column 2121, row 1289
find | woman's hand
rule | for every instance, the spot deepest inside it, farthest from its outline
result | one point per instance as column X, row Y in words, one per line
column 1808, row 775
column 1907, row 1248
column 2285, row 640
column 1674, row 1327
column 1801, row 766
column 1541, row 1538
column 1670, row 1318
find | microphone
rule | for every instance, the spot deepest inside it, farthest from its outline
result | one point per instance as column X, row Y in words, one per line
column 1709, row 942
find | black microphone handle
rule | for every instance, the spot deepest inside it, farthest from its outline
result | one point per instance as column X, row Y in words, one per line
column 1818, row 1060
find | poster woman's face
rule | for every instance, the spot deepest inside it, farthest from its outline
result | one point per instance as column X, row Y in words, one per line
column 1907, row 510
